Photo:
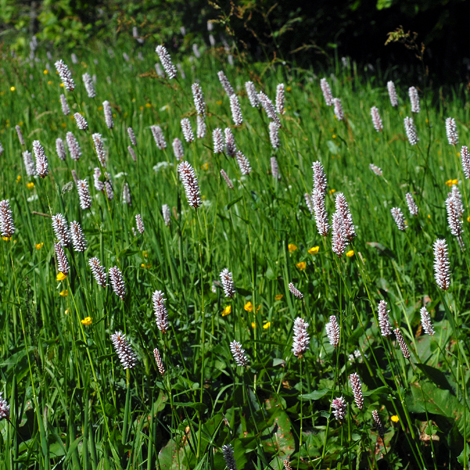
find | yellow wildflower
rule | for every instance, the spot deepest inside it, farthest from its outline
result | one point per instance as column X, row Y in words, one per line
column 278, row 297
column 314, row 250
column 61, row 276
column 291, row 247
column 30, row 185
column 288, row 88
column 205, row 166
column 67, row 311
column 39, row 246
column 267, row 325
column 302, row 265
column 248, row 307
column 334, row 136
column 86, row 321
column 148, row 105
column 46, row 72
column 253, row 325
column 63, row 124
column 62, row 85
column 219, row 102
column 6, row 239
column 331, row 191
column 451, row 182
column 350, row 253
column 395, row 418
column 49, row 82
column 227, row 310
column 468, row 219
column 64, row 293
column 257, row 310
column 12, row 88
column 18, row 178
column 145, row 253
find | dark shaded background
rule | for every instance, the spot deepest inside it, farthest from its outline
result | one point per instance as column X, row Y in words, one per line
column 297, row 31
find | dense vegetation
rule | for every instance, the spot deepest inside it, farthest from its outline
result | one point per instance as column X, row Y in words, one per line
column 72, row 404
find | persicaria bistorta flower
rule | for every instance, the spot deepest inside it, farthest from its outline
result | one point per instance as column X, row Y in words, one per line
column 399, row 218
column 126, row 195
column 356, row 387
column 65, row 75
column 392, row 93
column 411, row 131
column 339, row 407
column 320, row 182
column 454, row 209
column 252, row 95
column 243, row 163
column 81, row 121
column 280, row 98
column 60, row 149
column 338, row 241
column 7, row 227
column 99, row 185
column 131, row 134
column 42, row 165
column 62, row 262
column 402, row 343
column 158, row 360
column 198, row 98
column 321, row 216
column 374, row 112
column 333, row 331
column 346, row 218
column 74, row 147
column 384, row 321
column 98, row 271
column 161, row 314
column 295, row 291
column 166, row 214
column 338, row 109
column 218, row 139
column 108, row 114
column 426, row 322
column 187, row 130
column 61, row 230
column 376, row 169
column 29, row 163
column 225, row 83
column 227, row 452
column 227, row 179
column 236, row 110
column 84, row 194
column 201, row 127
column 441, row 264
column 325, row 88
column 139, row 224
column 20, row 135
column 165, row 59
column 227, row 283
column 414, row 99
column 239, row 354
column 268, row 106
column 301, row 338
column 190, row 183
column 78, row 239
column 64, row 105
column 465, row 156
column 89, row 87
column 4, row 408
column 275, row 168
column 117, row 282
column 309, row 203
column 378, row 423
column 274, row 135
column 124, row 350
column 230, row 146
column 413, row 208
column 158, row 137
column 451, row 131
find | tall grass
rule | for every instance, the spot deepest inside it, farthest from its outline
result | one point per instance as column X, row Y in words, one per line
column 72, row 403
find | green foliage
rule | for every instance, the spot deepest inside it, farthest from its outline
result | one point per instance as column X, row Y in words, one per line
column 72, row 404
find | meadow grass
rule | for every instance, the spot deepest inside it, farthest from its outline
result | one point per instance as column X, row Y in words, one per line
column 72, row 403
